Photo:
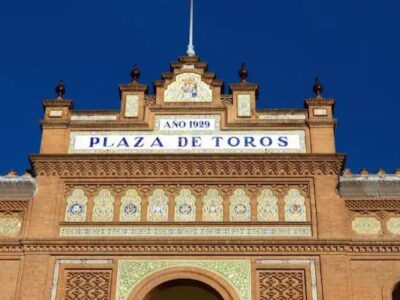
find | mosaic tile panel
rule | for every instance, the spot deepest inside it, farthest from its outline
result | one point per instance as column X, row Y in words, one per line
column 10, row 225
column 186, row 231
column 131, row 106
column 76, row 206
column 213, row 210
column 188, row 87
column 267, row 206
column 235, row 272
column 158, row 207
column 103, row 209
column 185, row 206
column 295, row 207
column 393, row 225
column 240, row 208
column 131, row 207
column 366, row 225
column 244, row 105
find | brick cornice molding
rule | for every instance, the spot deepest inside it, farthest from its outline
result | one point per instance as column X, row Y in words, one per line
column 79, row 165
column 198, row 247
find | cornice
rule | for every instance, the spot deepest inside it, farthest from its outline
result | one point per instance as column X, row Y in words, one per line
column 198, row 247
column 199, row 165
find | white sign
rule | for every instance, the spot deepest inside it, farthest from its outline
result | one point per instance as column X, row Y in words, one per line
column 180, row 124
column 188, row 134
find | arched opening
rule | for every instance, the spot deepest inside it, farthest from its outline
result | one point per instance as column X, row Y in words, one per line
column 396, row 292
column 183, row 289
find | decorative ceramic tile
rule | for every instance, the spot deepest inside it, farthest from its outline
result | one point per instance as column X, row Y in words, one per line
column 366, row 225
column 103, row 209
column 244, row 105
column 202, row 130
column 93, row 118
column 393, row 225
column 158, row 207
column 131, row 207
column 55, row 113
column 10, row 225
column 295, row 207
column 213, row 210
column 76, row 206
column 235, row 272
column 283, row 262
column 240, row 208
column 131, row 106
column 186, row 231
column 267, row 209
column 188, row 87
column 185, row 206
column 281, row 117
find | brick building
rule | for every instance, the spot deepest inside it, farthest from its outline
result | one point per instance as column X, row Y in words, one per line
column 191, row 193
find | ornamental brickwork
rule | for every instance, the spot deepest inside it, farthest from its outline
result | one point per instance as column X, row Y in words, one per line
column 191, row 185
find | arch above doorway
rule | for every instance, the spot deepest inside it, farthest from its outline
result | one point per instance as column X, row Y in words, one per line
column 205, row 281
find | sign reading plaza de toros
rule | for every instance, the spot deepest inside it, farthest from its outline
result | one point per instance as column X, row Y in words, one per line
column 184, row 134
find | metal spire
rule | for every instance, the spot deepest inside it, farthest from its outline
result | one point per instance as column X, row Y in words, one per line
column 190, row 50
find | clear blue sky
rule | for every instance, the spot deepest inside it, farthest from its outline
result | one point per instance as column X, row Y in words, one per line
column 354, row 47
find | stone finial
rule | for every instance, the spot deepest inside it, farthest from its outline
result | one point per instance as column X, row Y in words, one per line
column 243, row 73
column 381, row 172
column 397, row 172
column 12, row 173
column 318, row 88
column 347, row 172
column 135, row 73
column 60, row 90
column 364, row 172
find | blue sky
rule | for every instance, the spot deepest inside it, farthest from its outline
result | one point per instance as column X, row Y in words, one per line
column 353, row 46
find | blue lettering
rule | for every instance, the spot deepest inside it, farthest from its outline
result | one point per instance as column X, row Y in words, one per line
column 94, row 141
column 283, row 141
column 196, row 141
column 105, row 142
column 138, row 142
column 249, row 141
column 157, row 143
column 262, row 141
column 233, row 141
column 182, row 142
column 123, row 143
column 217, row 140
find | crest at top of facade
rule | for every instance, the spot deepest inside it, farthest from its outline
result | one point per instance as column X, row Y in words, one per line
column 188, row 87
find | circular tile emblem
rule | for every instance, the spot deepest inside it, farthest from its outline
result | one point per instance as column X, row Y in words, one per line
column 76, row 209
column 185, row 209
column 130, row 209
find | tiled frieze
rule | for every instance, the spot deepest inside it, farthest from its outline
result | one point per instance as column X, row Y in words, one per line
column 240, row 208
column 366, row 225
column 103, row 209
column 267, row 206
column 235, row 272
column 76, row 208
column 10, row 224
column 131, row 207
column 295, row 207
column 185, row 206
column 158, row 206
column 186, row 231
column 213, row 209
column 393, row 225
column 188, row 203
